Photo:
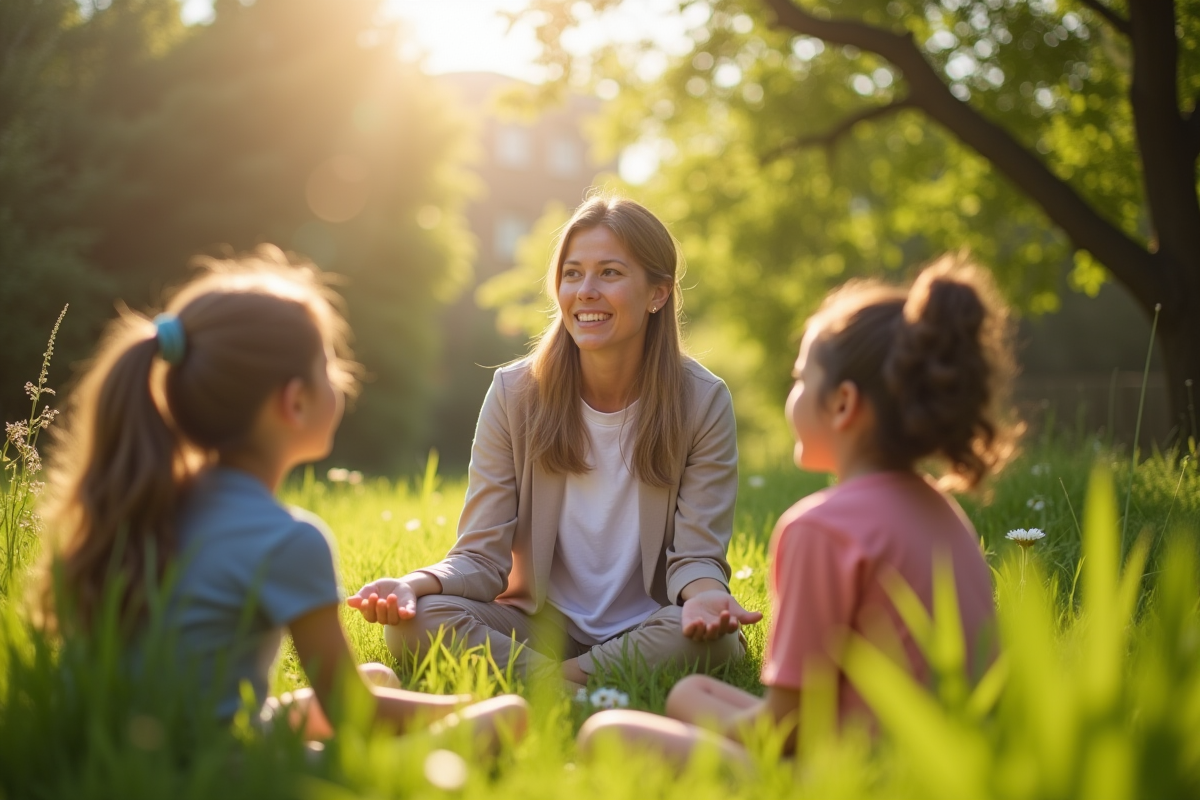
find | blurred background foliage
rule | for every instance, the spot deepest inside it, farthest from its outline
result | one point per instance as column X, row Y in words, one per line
column 129, row 143
column 787, row 165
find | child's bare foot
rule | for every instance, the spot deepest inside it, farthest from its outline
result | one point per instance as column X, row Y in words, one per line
column 379, row 675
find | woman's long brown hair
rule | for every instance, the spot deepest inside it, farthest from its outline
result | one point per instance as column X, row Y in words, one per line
column 138, row 430
column 556, row 430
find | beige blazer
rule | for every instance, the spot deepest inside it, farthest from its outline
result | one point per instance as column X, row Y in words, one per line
column 510, row 520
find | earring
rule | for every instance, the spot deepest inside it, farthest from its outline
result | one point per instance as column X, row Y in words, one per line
column 653, row 309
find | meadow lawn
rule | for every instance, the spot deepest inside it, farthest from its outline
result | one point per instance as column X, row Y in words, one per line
column 1097, row 693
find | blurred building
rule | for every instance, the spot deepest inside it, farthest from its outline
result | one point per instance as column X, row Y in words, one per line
column 523, row 165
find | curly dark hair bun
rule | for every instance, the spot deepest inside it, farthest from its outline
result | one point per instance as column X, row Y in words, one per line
column 935, row 363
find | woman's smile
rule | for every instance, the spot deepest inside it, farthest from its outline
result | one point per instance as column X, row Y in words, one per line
column 605, row 296
column 591, row 318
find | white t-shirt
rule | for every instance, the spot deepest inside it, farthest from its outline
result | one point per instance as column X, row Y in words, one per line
column 596, row 577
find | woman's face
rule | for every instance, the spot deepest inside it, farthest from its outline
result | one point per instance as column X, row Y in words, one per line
column 605, row 296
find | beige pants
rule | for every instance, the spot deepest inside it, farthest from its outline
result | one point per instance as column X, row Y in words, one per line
column 658, row 641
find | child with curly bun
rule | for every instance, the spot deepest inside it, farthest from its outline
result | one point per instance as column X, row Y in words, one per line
column 886, row 379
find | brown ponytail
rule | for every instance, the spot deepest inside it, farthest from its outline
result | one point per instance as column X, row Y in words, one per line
column 935, row 362
column 138, row 429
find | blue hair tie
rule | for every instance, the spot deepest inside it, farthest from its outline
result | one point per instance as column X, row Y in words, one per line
column 171, row 341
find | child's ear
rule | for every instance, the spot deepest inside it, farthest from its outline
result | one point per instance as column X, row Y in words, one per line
column 845, row 405
column 291, row 401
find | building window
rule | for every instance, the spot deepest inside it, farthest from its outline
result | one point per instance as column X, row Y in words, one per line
column 564, row 157
column 509, row 230
column 513, row 148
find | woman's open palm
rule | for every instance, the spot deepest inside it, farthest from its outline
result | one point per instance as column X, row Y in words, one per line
column 712, row 614
column 388, row 601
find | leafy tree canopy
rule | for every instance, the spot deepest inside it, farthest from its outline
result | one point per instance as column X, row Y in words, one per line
column 805, row 143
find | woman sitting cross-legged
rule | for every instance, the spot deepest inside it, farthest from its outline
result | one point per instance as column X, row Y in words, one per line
column 602, row 482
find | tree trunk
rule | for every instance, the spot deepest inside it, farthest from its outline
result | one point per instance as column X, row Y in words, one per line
column 1179, row 342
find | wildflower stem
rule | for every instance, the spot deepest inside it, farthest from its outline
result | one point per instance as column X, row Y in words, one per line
column 1071, row 508
column 1137, row 428
column 1179, row 483
column 19, row 522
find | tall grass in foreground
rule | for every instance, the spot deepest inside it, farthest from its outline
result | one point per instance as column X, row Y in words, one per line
column 1096, row 692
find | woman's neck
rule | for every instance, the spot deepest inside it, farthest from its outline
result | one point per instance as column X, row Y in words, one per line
column 608, row 380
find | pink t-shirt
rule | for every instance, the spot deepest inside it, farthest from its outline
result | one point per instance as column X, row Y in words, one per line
column 829, row 555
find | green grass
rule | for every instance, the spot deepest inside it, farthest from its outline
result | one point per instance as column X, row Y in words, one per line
column 1098, row 693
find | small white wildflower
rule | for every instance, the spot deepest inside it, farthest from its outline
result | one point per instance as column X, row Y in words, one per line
column 412, row 524
column 1025, row 538
column 338, row 475
column 17, row 432
column 440, row 520
column 581, row 696
column 1040, row 469
column 1036, row 503
column 386, row 516
column 354, row 478
column 446, row 770
column 756, row 481
column 609, row 698
column 743, row 573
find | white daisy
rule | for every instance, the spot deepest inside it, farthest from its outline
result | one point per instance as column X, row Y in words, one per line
column 743, row 573
column 1025, row 538
column 412, row 524
column 609, row 698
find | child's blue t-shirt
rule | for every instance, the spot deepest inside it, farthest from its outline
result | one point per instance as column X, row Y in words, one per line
column 248, row 566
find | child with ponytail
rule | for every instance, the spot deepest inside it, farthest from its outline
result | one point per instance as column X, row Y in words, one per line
column 178, row 436
column 886, row 379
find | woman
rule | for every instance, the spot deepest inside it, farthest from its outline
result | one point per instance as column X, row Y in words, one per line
column 602, row 482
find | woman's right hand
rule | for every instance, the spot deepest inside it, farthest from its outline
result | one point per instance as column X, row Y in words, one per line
column 387, row 601
column 390, row 601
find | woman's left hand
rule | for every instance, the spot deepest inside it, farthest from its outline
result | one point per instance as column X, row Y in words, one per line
column 711, row 614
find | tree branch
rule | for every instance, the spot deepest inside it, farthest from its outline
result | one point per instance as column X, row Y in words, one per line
column 1128, row 260
column 830, row 138
column 1114, row 19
